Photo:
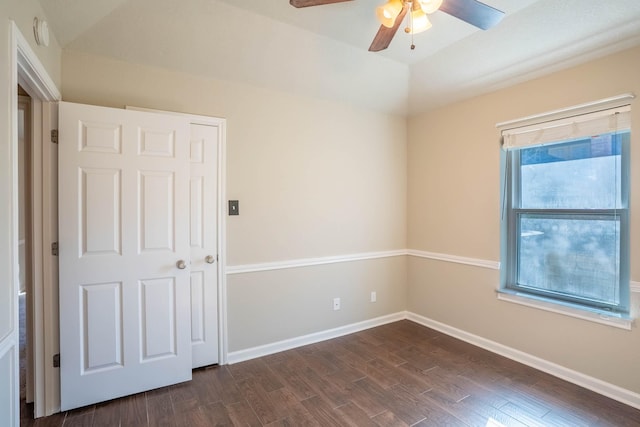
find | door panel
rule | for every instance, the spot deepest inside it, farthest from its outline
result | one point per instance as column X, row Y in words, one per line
column 100, row 197
column 203, row 193
column 101, row 333
column 158, row 318
column 156, row 211
column 124, row 224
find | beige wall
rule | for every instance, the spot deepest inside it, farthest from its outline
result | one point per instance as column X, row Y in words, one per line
column 314, row 178
column 454, row 208
column 271, row 306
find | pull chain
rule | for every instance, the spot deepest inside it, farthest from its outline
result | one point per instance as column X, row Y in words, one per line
column 409, row 28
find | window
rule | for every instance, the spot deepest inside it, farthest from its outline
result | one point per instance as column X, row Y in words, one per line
column 565, row 235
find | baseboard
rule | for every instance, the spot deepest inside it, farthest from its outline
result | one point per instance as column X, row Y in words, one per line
column 276, row 347
column 607, row 389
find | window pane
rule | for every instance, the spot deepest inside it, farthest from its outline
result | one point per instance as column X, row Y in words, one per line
column 569, row 256
column 582, row 174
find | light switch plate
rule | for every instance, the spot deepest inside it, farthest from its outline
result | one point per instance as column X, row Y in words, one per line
column 234, row 207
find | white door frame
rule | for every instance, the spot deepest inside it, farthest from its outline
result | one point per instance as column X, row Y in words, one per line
column 28, row 71
column 222, row 219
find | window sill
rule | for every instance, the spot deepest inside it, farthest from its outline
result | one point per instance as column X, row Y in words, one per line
column 614, row 320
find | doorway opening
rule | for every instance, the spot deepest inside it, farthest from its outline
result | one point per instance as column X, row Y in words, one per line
column 25, row 255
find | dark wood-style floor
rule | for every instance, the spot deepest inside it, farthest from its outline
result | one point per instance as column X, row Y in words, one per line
column 401, row 374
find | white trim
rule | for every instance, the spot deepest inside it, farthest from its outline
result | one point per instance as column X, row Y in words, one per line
column 616, row 322
column 288, row 344
column 493, row 265
column 602, row 387
column 221, row 214
column 50, row 316
column 588, row 107
column 10, row 348
column 31, row 73
column 222, row 244
column 635, row 286
column 9, row 344
column 308, row 262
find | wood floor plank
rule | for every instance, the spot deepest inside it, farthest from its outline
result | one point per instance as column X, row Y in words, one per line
column 389, row 419
column 193, row 418
column 417, row 357
column 259, row 371
column 326, row 388
column 383, row 373
column 523, row 415
column 184, row 398
column 338, row 367
column 133, row 411
column 369, row 396
column 398, row 374
column 290, row 408
column 318, row 363
column 412, row 378
column 323, row 412
column 446, row 383
column 107, row 414
column 443, row 419
column 354, row 416
column 79, row 421
column 260, row 401
column 216, row 414
column 406, row 405
column 160, row 408
column 80, row 417
column 54, row 420
column 242, row 414
column 294, row 380
column 468, row 412
column 224, row 384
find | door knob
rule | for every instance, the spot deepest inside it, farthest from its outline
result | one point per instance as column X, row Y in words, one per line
column 209, row 259
column 181, row 264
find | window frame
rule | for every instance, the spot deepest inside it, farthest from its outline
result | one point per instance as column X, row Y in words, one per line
column 511, row 213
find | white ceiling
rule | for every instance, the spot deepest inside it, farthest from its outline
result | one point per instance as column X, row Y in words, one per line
column 322, row 51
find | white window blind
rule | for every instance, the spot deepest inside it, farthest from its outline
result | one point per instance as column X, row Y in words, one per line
column 582, row 126
column 580, row 121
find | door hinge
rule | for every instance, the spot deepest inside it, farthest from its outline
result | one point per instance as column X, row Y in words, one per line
column 54, row 249
column 54, row 136
column 56, row 360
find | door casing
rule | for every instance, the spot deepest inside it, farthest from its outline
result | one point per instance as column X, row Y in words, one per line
column 28, row 71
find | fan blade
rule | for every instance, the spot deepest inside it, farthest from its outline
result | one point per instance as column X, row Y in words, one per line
column 307, row 3
column 473, row 12
column 385, row 35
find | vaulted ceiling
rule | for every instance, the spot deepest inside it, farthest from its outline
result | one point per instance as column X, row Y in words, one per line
column 322, row 51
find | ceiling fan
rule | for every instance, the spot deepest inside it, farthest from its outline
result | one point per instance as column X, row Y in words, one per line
column 392, row 13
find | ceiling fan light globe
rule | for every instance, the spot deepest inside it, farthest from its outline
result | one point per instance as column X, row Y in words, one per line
column 419, row 22
column 388, row 12
column 430, row 6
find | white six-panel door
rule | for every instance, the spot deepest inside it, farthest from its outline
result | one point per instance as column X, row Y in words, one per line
column 203, row 192
column 125, row 323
